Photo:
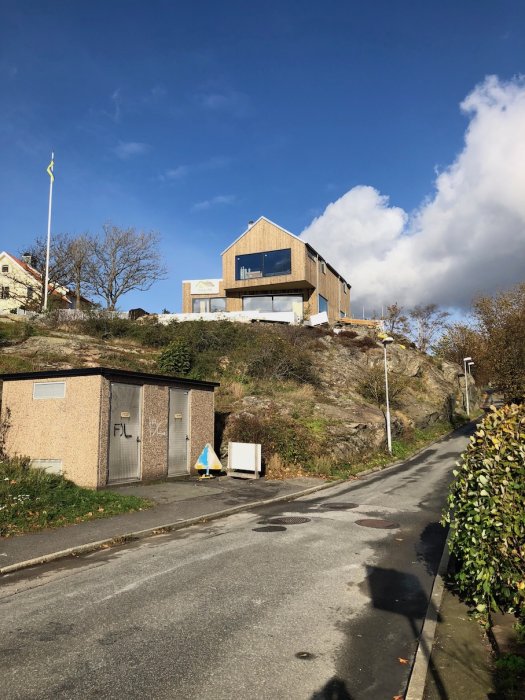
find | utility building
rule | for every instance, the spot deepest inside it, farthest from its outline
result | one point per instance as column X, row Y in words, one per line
column 100, row 426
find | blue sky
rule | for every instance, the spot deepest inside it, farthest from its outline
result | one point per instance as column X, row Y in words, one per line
column 192, row 118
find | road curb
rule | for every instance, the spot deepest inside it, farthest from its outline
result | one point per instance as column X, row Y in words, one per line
column 417, row 681
column 168, row 527
column 373, row 470
column 180, row 524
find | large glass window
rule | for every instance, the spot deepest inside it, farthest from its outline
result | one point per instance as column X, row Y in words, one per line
column 288, row 302
column 257, row 304
column 210, row 305
column 323, row 304
column 217, row 304
column 268, row 264
column 277, row 262
column 281, row 302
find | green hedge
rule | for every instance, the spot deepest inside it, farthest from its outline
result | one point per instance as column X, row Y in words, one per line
column 486, row 509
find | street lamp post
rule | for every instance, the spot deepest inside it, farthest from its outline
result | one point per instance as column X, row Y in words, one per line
column 386, row 341
column 470, row 365
column 467, row 406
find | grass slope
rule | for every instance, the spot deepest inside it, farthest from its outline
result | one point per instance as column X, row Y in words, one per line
column 31, row 499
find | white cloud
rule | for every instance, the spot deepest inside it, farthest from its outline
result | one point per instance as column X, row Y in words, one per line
column 116, row 99
column 214, row 201
column 467, row 238
column 129, row 149
column 176, row 173
column 228, row 101
column 181, row 171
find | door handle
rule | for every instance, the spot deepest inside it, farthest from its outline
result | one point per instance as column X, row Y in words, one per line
column 138, row 439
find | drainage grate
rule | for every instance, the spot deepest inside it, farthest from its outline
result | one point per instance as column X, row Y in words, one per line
column 377, row 523
column 338, row 506
column 269, row 528
column 289, row 520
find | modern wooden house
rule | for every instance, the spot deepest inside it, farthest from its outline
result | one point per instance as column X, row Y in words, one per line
column 100, row 426
column 269, row 269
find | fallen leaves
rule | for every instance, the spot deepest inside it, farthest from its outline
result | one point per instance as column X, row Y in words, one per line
column 402, row 661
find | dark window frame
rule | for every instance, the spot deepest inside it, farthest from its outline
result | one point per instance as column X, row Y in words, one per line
column 208, row 301
column 262, row 265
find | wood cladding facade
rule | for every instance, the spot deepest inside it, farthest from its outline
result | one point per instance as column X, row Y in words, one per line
column 310, row 274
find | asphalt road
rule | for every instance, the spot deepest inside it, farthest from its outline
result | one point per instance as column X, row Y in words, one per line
column 246, row 607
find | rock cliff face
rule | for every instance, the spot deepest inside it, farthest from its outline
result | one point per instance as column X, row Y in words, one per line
column 335, row 414
column 430, row 391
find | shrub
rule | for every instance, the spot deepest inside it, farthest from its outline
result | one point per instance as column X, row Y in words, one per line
column 175, row 359
column 276, row 435
column 365, row 343
column 272, row 357
column 486, row 509
column 372, row 386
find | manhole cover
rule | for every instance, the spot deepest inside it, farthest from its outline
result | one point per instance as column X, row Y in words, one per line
column 338, row 506
column 269, row 528
column 305, row 655
column 290, row 520
column 378, row 523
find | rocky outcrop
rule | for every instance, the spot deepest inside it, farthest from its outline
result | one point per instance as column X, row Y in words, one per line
column 433, row 392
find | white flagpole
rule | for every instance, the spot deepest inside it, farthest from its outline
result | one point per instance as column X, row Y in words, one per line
column 49, row 229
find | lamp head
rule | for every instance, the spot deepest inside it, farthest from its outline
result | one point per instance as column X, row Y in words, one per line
column 466, row 359
column 387, row 340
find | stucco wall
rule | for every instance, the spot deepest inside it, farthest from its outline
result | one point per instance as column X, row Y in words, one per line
column 103, row 439
column 202, row 417
column 155, row 432
column 65, row 429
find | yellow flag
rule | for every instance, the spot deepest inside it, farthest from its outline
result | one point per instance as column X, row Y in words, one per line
column 50, row 170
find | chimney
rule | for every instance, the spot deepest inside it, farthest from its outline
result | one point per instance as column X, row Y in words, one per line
column 250, row 223
column 26, row 257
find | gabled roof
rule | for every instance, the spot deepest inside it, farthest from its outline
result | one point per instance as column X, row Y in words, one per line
column 37, row 276
column 25, row 266
column 262, row 218
column 297, row 238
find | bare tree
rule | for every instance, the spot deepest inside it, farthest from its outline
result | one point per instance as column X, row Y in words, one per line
column 79, row 258
column 122, row 260
column 27, row 288
column 395, row 320
column 427, row 321
column 68, row 257
column 501, row 326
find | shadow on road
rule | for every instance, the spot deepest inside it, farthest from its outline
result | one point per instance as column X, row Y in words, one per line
column 335, row 689
column 402, row 594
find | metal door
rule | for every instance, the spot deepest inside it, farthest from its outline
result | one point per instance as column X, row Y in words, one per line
column 178, row 437
column 124, row 432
